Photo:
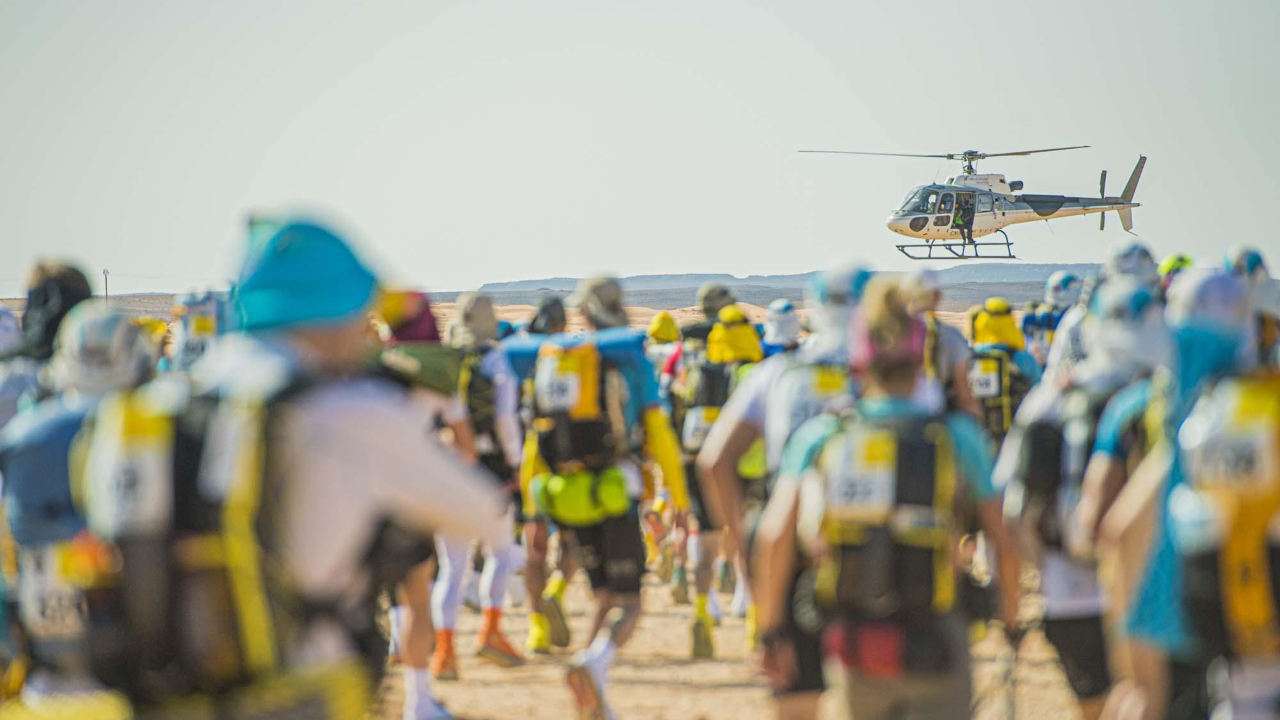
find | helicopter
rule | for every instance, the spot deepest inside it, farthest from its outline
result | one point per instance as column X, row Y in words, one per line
column 931, row 213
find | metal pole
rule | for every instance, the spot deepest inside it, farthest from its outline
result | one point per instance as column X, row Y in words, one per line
column 106, row 286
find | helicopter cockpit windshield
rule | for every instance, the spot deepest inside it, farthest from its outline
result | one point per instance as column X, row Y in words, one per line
column 920, row 201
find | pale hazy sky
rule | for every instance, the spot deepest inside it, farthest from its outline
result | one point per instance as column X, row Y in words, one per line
column 498, row 140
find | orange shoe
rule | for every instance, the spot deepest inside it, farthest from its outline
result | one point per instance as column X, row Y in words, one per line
column 491, row 645
column 444, row 664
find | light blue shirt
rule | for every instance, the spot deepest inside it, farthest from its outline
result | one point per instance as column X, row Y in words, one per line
column 973, row 451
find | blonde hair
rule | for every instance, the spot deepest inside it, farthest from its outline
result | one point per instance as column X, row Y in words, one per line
column 889, row 323
column 884, row 306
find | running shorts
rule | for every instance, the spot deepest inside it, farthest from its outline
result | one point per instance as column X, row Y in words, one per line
column 612, row 553
column 697, row 506
column 1082, row 649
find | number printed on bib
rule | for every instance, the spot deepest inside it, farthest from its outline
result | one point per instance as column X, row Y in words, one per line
column 984, row 378
column 1236, row 457
column 862, row 474
column 697, row 423
column 557, row 383
column 49, row 606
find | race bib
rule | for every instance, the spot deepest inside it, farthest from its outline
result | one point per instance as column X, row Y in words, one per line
column 1236, row 458
column 50, row 608
column 862, row 478
column 984, row 378
column 697, row 423
column 131, row 490
column 557, row 383
column 829, row 381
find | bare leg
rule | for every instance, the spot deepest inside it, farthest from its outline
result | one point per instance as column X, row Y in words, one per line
column 417, row 635
column 798, row 706
column 416, row 640
column 567, row 559
column 704, row 571
column 535, row 567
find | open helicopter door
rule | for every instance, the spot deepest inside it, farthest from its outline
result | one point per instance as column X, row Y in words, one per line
column 949, row 245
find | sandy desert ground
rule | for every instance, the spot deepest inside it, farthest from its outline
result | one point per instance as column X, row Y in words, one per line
column 655, row 680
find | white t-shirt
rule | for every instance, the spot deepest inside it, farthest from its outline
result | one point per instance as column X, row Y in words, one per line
column 355, row 452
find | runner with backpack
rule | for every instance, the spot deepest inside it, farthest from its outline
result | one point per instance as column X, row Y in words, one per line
column 1167, row 672
column 595, row 411
column 775, row 399
column 97, row 351
column 241, row 512
column 1001, row 372
column 1041, row 469
column 874, row 497
column 709, row 376
column 490, row 392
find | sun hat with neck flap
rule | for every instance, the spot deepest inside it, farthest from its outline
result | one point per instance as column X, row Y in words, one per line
column 304, row 275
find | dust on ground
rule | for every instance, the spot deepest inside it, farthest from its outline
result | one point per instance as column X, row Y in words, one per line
column 654, row 679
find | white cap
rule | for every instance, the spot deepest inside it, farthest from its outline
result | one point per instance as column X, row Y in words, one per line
column 782, row 323
column 98, row 350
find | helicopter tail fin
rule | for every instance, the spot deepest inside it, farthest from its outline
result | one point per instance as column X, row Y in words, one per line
column 1132, row 186
column 1126, row 218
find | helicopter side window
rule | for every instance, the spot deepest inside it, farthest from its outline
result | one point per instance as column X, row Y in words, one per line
column 929, row 203
column 984, row 203
column 945, row 205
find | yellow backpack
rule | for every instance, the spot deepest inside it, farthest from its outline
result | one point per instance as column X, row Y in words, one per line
column 1226, row 518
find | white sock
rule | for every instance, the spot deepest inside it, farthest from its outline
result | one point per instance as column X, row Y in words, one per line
column 694, row 550
column 599, row 656
column 396, row 616
column 417, row 692
column 713, row 605
column 741, row 596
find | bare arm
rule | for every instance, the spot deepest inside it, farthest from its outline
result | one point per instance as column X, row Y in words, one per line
column 991, row 520
column 411, row 476
column 718, row 466
column 773, row 559
column 965, row 400
column 1103, row 479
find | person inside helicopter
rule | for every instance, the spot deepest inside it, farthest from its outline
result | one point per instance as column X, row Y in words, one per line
column 964, row 218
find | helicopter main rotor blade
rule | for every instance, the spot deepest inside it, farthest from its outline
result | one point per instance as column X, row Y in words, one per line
column 981, row 156
column 854, row 152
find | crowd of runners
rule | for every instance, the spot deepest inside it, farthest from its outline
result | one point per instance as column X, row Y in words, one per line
column 211, row 515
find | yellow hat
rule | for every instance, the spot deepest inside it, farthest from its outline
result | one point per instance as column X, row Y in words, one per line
column 994, row 325
column 733, row 339
column 662, row 329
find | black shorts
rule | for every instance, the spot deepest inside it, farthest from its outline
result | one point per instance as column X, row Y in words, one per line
column 397, row 552
column 697, row 506
column 1082, row 648
column 501, row 474
column 612, row 553
column 1189, row 696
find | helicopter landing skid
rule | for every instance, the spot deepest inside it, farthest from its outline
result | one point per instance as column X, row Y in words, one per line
column 951, row 250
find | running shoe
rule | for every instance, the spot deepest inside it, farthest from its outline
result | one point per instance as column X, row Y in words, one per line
column 558, row 624
column 703, row 644
column 727, row 579
column 444, row 664
column 679, row 586
column 587, row 695
column 492, row 645
column 539, row 639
